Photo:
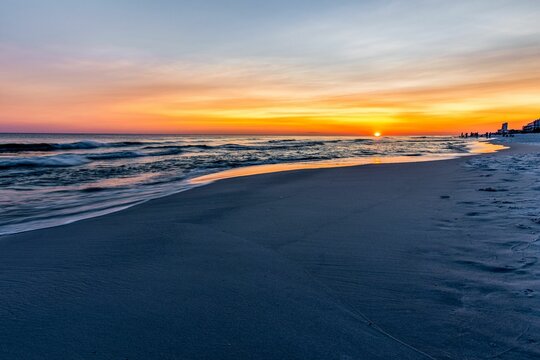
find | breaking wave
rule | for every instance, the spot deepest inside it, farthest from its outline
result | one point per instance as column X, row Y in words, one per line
column 45, row 161
column 79, row 145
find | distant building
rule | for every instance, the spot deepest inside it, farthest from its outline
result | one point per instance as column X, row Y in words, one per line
column 504, row 129
column 533, row 126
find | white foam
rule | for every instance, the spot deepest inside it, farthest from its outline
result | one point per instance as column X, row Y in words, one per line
column 45, row 161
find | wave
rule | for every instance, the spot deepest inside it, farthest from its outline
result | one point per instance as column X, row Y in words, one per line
column 457, row 147
column 284, row 149
column 115, row 155
column 79, row 145
column 202, row 146
column 270, row 145
column 281, row 141
column 170, row 151
column 64, row 160
column 93, row 189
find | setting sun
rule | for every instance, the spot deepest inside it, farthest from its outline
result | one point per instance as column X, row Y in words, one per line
column 377, row 134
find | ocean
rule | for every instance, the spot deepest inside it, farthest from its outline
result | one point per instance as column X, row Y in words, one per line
column 48, row 180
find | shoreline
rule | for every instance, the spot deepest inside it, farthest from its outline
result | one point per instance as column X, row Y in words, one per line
column 477, row 148
column 376, row 262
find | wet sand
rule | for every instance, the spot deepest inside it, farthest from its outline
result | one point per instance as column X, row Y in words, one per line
column 395, row 261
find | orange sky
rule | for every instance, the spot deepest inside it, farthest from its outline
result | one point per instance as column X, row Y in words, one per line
column 326, row 73
column 237, row 106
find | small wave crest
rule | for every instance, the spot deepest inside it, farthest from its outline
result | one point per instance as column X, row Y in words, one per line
column 45, row 161
column 268, row 146
column 115, row 155
column 66, row 160
column 279, row 141
column 78, row 145
column 461, row 148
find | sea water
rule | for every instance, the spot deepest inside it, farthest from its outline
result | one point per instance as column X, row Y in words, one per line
column 48, row 180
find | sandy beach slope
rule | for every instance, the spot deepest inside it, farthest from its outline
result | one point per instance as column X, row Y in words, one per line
column 399, row 261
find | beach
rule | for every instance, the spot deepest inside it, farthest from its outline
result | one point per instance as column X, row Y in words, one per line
column 427, row 260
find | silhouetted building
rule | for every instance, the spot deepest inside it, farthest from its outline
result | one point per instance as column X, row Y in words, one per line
column 504, row 129
column 533, row 126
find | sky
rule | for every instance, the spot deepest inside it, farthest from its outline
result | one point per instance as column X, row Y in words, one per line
column 268, row 67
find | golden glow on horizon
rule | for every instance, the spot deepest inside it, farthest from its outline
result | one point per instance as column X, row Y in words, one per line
column 201, row 102
column 377, row 134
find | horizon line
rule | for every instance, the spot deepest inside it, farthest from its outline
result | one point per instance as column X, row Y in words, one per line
column 223, row 134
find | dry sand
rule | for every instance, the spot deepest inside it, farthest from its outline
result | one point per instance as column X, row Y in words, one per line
column 396, row 261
